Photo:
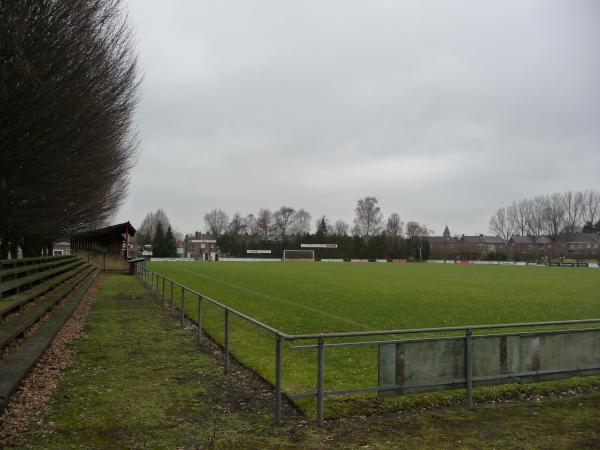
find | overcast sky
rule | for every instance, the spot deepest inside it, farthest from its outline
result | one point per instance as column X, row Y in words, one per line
column 443, row 110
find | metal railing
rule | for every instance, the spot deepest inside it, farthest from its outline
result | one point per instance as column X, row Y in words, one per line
column 152, row 280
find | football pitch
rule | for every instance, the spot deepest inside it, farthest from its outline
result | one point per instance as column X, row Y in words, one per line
column 337, row 297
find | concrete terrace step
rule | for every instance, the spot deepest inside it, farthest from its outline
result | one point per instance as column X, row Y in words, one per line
column 22, row 262
column 19, row 363
column 11, row 303
column 15, row 326
column 35, row 267
column 37, row 277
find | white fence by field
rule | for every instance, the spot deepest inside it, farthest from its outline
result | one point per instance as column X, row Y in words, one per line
column 172, row 259
column 338, row 260
column 503, row 263
column 250, row 259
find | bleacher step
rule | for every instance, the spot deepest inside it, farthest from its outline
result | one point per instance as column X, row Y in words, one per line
column 19, row 363
column 16, row 326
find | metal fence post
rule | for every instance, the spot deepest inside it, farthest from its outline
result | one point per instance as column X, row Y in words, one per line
column 171, row 296
column 199, row 317
column 163, row 291
column 226, row 341
column 320, row 379
column 469, row 367
column 157, row 281
column 278, row 380
column 182, row 305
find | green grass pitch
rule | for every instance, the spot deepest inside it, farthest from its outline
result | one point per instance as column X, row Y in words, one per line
column 324, row 297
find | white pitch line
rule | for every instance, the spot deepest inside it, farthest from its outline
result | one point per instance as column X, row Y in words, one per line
column 270, row 297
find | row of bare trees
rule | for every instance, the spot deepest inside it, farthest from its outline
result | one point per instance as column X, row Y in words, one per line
column 285, row 221
column 370, row 236
column 549, row 215
column 68, row 84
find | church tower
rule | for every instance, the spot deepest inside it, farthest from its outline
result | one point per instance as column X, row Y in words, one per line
column 446, row 233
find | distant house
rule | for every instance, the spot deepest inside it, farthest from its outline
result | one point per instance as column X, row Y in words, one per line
column 200, row 246
column 444, row 246
column 61, row 248
column 530, row 247
column 580, row 245
column 480, row 247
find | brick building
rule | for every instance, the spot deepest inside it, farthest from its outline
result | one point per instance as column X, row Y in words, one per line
column 61, row 248
column 524, row 248
column 200, row 246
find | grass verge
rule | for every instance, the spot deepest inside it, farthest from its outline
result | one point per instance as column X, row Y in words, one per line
column 139, row 381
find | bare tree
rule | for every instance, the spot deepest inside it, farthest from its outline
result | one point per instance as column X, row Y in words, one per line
column 517, row 216
column 416, row 230
column 68, row 84
column 394, row 226
column 237, row 225
column 301, row 222
column 574, row 211
column 554, row 216
column 591, row 207
column 282, row 219
column 250, row 224
column 161, row 216
column 147, row 228
column 216, row 221
column 500, row 225
column 368, row 217
column 340, row 228
column 264, row 221
column 535, row 217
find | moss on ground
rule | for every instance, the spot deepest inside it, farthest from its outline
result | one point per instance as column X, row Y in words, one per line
column 140, row 381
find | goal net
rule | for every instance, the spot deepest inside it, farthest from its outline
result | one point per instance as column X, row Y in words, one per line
column 298, row 255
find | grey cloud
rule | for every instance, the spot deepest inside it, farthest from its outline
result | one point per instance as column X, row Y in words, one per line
column 443, row 110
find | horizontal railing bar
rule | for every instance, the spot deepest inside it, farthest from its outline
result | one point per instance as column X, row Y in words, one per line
column 378, row 342
column 443, row 338
column 439, row 329
column 456, row 381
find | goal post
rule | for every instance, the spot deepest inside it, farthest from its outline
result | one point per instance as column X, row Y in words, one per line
column 298, row 255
